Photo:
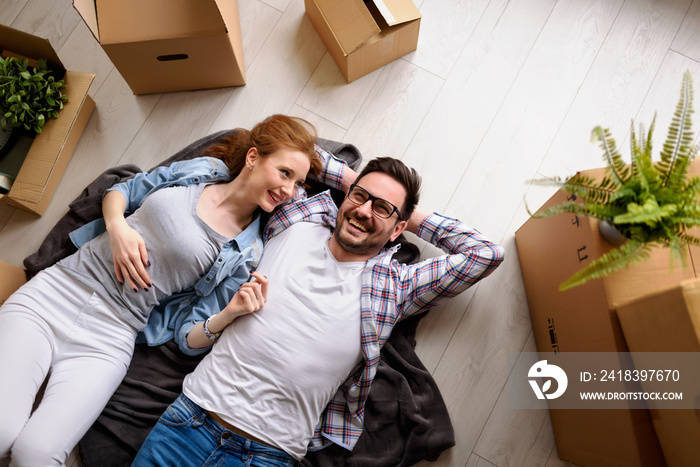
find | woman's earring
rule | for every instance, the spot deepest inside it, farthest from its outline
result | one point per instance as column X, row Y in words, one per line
column 250, row 166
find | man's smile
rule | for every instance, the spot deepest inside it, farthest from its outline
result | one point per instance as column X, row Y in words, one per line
column 356, row 224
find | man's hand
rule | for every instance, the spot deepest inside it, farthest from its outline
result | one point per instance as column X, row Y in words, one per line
column 349, row 177
column 415, row 221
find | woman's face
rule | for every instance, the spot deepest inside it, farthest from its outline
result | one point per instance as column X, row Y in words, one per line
column 275, row 178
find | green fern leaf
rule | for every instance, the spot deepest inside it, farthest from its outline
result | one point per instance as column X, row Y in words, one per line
column 588, row 210
column 622, row 193
column 546, row 181
column 650, row 213
column 611, row 155
column 690, row 239
column 636, row 151
column 687, row 221
column 587, row 188
column 678, row 147
column 678, row 252
column 642, row 166
column 615, row 260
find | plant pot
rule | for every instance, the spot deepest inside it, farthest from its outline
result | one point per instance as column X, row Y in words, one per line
column 8, row 137
column 610, row 233
column 14, row 147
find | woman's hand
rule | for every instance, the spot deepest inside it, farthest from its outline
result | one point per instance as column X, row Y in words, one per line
column 249, row 298
column 129, row 255
column 128, row 248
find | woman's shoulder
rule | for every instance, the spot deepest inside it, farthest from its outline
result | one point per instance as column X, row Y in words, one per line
column 200, row 166
column 215, row 162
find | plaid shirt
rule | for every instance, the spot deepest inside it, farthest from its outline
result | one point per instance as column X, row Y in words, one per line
column 390, row 292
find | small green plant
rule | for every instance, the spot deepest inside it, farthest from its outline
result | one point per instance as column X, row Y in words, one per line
column 28, row 95
column 650, row 203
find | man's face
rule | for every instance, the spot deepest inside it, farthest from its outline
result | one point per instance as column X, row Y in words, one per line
column 358, row 230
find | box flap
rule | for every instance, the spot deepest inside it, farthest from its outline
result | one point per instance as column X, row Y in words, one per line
column 41, row 159
column 88, row 11
column 11, row 277
column 691, row 289
column 351, row 22
column 232, row 19
column 121, row 21
column 397, row 11
column 28, row 45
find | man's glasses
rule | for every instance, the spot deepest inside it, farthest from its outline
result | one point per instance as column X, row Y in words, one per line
column 380, row 207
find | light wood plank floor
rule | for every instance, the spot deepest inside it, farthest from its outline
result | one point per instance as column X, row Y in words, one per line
column 498, row 92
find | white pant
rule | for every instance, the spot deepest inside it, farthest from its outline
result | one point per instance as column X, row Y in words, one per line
column 56, row 326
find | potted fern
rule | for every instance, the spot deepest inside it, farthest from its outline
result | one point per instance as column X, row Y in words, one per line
column 649, row 204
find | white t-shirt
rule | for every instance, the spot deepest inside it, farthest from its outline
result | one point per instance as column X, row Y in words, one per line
column 273, row 372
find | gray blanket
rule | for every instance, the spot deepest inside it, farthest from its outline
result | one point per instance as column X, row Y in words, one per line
column 405, row 418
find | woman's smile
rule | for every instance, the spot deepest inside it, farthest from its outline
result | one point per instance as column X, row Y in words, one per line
column 274, row 198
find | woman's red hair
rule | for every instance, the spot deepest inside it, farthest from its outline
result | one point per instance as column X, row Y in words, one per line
column 268, row 136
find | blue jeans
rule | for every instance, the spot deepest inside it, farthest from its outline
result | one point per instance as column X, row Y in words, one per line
column 186, row 436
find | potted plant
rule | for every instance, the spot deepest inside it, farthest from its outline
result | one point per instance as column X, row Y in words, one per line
column 647, row 204
column 29, row 96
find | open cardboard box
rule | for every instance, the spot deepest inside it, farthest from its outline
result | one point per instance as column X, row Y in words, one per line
column 669, row 321
column 362, row 37
column 51, row 150
column 583, row 319
column 169, row 45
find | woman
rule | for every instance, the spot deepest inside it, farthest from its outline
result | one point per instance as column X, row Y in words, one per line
column 195, row 224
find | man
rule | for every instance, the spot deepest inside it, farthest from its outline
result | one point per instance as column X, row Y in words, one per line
column 276, row 383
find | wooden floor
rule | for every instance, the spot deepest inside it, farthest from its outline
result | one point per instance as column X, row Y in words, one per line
column 498, row 92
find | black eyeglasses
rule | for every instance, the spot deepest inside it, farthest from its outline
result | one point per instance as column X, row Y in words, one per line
column 380, row 207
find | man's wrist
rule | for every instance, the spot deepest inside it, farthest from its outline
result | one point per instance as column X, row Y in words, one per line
column 417, row 218
column 349, row 177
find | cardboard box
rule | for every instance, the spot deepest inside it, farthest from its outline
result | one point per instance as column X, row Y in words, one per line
column 669, row 321
column 51, row 150
column 362, row 37
column 169, row 45
column 11, row 278
column 582, row 319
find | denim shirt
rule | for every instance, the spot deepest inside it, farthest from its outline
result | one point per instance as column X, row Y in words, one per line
column 175, row 316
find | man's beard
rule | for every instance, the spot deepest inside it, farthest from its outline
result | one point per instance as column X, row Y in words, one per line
column 367, row 245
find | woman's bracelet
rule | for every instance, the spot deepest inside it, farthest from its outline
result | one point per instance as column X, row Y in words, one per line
column 208, row 333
